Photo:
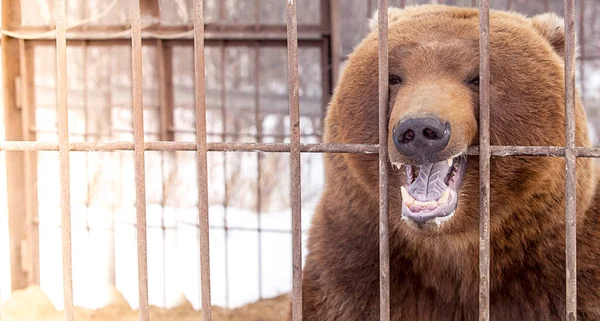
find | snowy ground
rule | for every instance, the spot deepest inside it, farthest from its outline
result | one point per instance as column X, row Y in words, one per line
column 173, row 265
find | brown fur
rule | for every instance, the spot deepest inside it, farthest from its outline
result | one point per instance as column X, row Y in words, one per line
column 434, row 271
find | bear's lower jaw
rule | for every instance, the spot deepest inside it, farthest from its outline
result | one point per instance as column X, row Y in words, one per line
column 431, row 195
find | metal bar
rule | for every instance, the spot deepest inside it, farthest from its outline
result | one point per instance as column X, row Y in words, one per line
column 295, row 195
column 259, row 158
column 571, row 180
column 15, row 178
column 165, row 65
column 313, row 42
column 201, row 147
column 582, row 50
column 257, row 15
column 213, row 33
column 138, row 151
column 63, row 147
column 336, row 44
column 552, row 151
column 86, row 137
column 484, row 160
column 112, row 246
column 212, row 227
column 31, row 253
column 326, row 76
column 384, row 251
column 223, row 108
column 171, row 129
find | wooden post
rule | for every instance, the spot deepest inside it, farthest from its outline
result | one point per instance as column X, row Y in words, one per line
column 15, row 171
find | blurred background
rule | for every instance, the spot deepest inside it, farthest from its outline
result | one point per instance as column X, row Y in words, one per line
column 247, row 101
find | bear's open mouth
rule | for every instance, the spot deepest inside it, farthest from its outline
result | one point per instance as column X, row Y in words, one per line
column 431, row 192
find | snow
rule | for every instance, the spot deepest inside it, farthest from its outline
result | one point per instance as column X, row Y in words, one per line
column 173, row 265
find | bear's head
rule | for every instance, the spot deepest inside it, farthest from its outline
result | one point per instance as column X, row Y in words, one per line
column 433, row 114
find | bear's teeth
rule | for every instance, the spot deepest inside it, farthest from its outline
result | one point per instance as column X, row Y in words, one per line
column 406, row 198
column 450, row 162
column 444, row 198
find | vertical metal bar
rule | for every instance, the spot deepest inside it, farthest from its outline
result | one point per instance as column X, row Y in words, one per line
column 165, row 61
column 369, row 8
column 484, row 160
column 63, row 147
column 326, row 75
column 226, row 185
column 138, row 152
column 336, row 44
column 295, row 197
column 571, row 183
column 257, row 15
column 201, row 158
column 582, row 49
column 30, row 254
column 166, row 134
column 546, row 5
column 112, row 273
column 384, row 252
column 11, row 18
column 509, row 4
column 259, row 158
column 86, row 137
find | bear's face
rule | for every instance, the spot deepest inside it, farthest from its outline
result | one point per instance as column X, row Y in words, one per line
column 434, row 114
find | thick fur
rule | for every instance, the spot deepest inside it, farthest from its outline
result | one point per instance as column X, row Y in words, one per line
column 435, row 270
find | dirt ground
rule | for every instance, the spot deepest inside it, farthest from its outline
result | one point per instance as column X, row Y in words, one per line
column 33, row 305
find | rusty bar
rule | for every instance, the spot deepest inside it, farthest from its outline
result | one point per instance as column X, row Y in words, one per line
column 295, row 195
column 165, row 65
column 86, row 137
column 15, row 178
column 582, row 48
column 242, row 33
column 63, row 148
column 138, row 154
column 223, row 107
column 484, row 160
column 30, row 253
column 257, row 15
column 326, row 76
column 552, row 151
column 384, row 251
column 570, row 155
column 201, row 147
column 336, row 44
column 259, row 158
column 546, row 5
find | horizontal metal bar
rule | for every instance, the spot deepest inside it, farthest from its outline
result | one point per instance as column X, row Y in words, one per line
column 176, row 226
column 553, row 151
column 213, row 32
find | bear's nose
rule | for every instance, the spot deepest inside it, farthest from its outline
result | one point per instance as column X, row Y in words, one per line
column 421, row 137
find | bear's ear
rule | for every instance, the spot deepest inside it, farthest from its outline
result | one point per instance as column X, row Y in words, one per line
column 552, row 27
column 393, row 15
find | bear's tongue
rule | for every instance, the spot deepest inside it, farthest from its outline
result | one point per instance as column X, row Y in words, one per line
column 430, row 183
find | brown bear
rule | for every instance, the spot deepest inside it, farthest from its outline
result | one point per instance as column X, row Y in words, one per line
column 434, row 186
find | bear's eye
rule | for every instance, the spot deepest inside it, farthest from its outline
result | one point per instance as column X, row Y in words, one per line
column 474, row 81
column 395, row 80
